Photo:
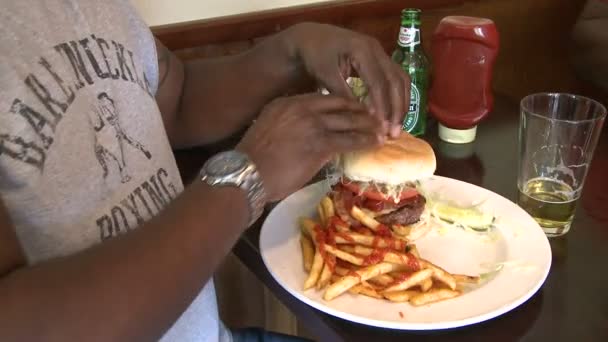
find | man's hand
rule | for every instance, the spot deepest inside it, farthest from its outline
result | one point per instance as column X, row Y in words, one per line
column 197, row 99
column 295, row 136
column 330, row 54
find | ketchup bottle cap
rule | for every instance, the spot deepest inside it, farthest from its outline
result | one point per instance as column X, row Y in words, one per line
column 457, row 136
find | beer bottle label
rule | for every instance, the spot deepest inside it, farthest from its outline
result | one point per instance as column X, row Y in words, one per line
column 413, row 113
column 409, row 37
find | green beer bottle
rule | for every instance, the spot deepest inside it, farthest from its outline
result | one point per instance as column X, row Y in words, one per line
column 411, row 58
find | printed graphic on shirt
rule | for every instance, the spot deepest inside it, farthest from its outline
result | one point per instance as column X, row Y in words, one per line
column 109, row 120
column 146, row 200
column 89, row 59
column 50, row 87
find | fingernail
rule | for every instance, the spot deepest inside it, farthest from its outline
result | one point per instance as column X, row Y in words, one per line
column 395, row 131
column 381, row 138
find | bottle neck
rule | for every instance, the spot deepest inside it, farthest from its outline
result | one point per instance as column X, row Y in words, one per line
column 409, row 38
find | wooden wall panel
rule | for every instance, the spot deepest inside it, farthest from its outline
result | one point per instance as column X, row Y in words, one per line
column 534, row 35
column 534, row 38
column 253, row 25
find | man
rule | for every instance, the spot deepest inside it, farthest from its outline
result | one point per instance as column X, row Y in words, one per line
column 98, row 238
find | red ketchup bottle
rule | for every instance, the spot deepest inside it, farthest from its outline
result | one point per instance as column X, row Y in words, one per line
column 463, row 53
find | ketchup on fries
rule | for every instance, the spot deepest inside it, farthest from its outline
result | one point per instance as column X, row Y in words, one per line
column 370, row 260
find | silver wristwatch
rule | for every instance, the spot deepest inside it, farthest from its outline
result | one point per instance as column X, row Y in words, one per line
column 234, row 168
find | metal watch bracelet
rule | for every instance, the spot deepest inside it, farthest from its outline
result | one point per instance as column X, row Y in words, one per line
column 234, row 168
column 253, row 185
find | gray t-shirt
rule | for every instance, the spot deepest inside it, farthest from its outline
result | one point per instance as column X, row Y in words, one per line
column 84, row 156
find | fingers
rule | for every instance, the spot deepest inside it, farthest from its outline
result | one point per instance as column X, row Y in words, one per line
column 345, row 124
column 340, row 142
column 388, row 85
column 334, row 124
column 317, row 103
column 338, row 114
column 336, row 84
column 373, row 75
column 399, row 85
column 360, row 122
column 396, row 93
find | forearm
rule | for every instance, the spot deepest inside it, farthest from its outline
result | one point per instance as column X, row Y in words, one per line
column 137, row 284
column 221, row 96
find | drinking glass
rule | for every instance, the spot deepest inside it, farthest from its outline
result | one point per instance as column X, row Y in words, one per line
column 557, row 136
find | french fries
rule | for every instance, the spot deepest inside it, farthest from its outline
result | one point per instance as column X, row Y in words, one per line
column 308, row 227
column 341, row 271
column 394, row 257
column 362, row 217
column 321, row 214
column 413, row 250
column 401, row 259
column 366, row 291
column 415, row 279
column 426, row 284
column 308, row 252
column 358, row 276
column 374, row 261
column 402, row 230
column 353, row 259
column 440, row 274
column 325, row 277
column 382, row 280
column 400, row 296
column 466, row 279
column 315, row 271
column 362, row 250
column 433, row 295
column 371, row 241
column 347, row 248
column 328, row 207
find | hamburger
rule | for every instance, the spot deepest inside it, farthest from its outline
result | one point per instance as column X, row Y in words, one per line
column 383, row 183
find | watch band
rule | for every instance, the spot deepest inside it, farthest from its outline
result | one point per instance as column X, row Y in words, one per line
column 245, row 177
column 253, row 185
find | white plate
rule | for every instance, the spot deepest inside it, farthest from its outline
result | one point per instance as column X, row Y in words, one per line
column 519, row 243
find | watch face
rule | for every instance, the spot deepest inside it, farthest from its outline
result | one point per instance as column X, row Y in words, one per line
column 225, row 164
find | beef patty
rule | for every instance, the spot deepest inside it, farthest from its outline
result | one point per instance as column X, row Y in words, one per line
column 405, row 215
column 408, row 214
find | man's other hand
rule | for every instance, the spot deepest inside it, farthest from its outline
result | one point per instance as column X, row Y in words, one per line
column 330, row 54
column 295, row 136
